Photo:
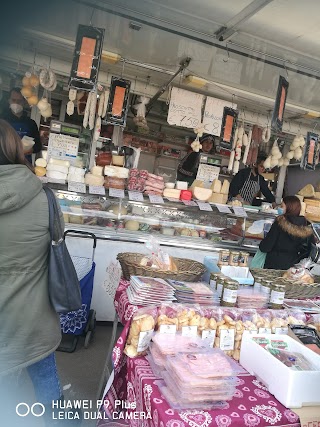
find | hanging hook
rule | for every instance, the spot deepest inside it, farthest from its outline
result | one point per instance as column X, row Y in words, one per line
column 228, row 54
column 90, row 23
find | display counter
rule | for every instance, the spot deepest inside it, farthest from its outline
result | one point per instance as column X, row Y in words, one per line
column 185, row 231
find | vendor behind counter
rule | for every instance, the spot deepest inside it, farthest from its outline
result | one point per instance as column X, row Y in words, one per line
column 188, row 167
column 249, row 182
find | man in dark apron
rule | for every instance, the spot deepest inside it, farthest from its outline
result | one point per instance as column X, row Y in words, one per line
column 248, row 182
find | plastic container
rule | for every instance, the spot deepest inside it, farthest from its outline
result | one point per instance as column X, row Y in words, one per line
column 172, row 344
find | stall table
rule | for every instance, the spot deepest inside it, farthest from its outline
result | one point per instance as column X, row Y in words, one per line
column 134, row 382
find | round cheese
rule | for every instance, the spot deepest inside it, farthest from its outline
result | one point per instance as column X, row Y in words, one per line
column 40, row 171
column 132, row 225
column 202, row 194
column 41, row 162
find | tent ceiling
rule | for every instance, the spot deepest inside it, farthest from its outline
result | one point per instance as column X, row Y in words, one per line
column 283, row 33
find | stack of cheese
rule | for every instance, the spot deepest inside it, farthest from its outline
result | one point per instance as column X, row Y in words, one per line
column 217, row 193
column 95, row 176
column 58, row 169
column 40, row 167
column 76, row 174
column 310, row 202
column 199, row 192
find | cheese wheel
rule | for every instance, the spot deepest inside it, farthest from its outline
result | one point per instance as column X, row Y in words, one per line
column 58, row 168
column 225, row 187
column 40, row 171
column 41, row 162
column 216, row 186
column 59, row 162
column 56, row 175
column 97, row 170
column 202, row 194
column 90, row 179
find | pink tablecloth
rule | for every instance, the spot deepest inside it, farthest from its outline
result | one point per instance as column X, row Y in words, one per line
column 134, row 384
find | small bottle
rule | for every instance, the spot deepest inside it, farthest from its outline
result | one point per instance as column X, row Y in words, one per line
column 229, row 293
column 277, row 296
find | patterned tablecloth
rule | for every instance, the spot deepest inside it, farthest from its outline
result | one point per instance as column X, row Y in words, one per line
column 135, row 394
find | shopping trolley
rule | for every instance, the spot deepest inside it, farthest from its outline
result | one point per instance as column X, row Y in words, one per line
column 81, row 322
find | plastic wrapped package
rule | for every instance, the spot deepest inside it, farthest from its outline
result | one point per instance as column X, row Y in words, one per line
column 300, row 273
column 252, row 298
column 314, row 321
column 112, row 182
column 141, row 331
column 169, row 344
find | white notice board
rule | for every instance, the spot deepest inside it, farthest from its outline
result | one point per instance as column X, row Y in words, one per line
column 213, row 114
column 63, row 147
column 185, row 108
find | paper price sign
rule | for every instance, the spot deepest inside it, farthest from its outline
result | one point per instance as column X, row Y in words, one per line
column 239, row 211
column 209, row 336
column 204, row 206
column 189, row 331
column 264, row 330
column 77, row 187
column 95, row 189
column 155, row 199
column 171, row 199
column 168, row 329
column 250, row 332
column 135, row 196
column 227, row 339
column 189, row 202
column 116, row 192
column 223, row 208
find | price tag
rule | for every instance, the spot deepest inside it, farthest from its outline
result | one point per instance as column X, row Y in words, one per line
column 189, row 331
column 189, row 202
column 144, row 340
column 43, row 179
column 116, row 192
column 209, row 336
column 227, row 339
column 135, row 196
column 281, row 331
column 171, row 199
column 239, row 211
column 168, row 329
column 223, row 208
column 78, row 187
column 56, row 181
column 264, row 330
column 155, row 198
column 204, row 206
column 250, row 332
column 95, row 189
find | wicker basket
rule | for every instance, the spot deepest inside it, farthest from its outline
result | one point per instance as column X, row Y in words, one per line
column 188, row 270
column 293, row 290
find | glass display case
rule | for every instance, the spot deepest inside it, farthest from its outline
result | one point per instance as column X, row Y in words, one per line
column 172, row 223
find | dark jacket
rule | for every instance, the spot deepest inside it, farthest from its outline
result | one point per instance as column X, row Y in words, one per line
column 24, row 126
column 239, row 180
column 188, row 167
column 288, row 241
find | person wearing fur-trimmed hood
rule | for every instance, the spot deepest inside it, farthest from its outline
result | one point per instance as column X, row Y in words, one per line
column 289, row 239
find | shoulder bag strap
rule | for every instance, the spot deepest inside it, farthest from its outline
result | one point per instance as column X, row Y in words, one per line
column 56, row 232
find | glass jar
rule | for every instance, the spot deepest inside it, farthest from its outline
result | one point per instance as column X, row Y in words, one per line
column 234, row 258
column 224, row 257
column 244, row 259
column 213, row 281
column 277, row 296
column 257, row 283
column 265, row 286
column 219, row 284
column 229, row 293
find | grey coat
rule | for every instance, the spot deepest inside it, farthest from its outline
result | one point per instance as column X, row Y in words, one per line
column 30, row 328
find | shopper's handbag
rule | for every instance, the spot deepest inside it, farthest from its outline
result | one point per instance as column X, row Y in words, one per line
column 64, row 287
column 258, row 260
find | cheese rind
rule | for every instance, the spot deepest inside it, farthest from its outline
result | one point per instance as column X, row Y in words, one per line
column 40, row 171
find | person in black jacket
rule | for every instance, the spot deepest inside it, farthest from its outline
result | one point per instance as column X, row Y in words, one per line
column 289, row 239
column 188, row 167
column 246, row 185
column 19, row 120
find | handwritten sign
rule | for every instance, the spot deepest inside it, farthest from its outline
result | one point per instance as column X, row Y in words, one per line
column 213, row 113
column 116, row 192
column 77, row 187
column 185, row 108
column 239, row 211
column 223, row 208
column 189, row 203
column 155, row 199
column 135, row 196
column 204, row 206
column 95, row 189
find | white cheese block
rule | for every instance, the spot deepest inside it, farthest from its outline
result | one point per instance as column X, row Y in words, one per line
column 41, row 162
column 181, row 185
column 76, row 171
column 58, row 168
column 116, row 171
column 225, row 187
column 216, row 186
column 56, row 175
column 202, row 194
column 217, row 198
column 90, row 179
column 172, row 193
column 59, row 162
column 75, row 178
column 97, row 170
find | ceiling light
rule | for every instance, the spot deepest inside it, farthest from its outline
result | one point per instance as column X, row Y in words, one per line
column 110, row 58
column 195, row 81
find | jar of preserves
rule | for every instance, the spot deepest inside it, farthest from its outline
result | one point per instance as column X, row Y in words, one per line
column 213, row 281
column 219, row 284
column 234, row 258
column 257, row 283
column 244, row 259
column 224, row 257
column 265, row 287
column 229, row 293
column 277, row 296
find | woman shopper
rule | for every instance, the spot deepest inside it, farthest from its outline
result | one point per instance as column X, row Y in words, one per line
column 289, row 239
column 30, row 328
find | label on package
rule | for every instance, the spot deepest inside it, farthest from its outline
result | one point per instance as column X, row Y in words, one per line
column 168, row 329
column 144, row 340
column 213, row 284
column 155, row 198
column 227, row 339
column 279, row 344
column 277, row 297
column 264, row 330
column 97, row 189
column 135, row 196
column 265, row 289
column 189, row 331
column 77, row 187
column 230, row 295
column 209, row 336
column 219, row 289
column 281, row 331
column 189, row 202
column 116, row 192
column 203, row 206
